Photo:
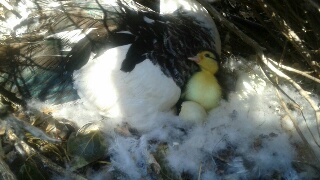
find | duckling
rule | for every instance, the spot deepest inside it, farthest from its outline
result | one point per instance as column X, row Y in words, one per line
column 203, row 87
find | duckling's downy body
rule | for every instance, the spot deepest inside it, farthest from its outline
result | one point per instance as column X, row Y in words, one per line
column 203, row 86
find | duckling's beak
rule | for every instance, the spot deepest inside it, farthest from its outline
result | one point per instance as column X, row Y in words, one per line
column 195, row 59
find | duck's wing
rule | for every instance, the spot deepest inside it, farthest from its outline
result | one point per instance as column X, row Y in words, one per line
column 52, row 38
column 168, row 39
column 45, row 41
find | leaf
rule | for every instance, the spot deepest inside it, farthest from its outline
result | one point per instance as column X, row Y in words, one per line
column 87, row 146
column 30, row 170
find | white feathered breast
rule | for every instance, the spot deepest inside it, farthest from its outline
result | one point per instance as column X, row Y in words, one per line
column 115, row 93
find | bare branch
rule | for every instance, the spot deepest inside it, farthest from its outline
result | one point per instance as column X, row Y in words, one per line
column 302, row 92
column 5, row 172
column 305, row 74
column 289, row 33
column 314, row 4
column 262, row 59
column 32, row 152
column 217, row 16
column 296, row 126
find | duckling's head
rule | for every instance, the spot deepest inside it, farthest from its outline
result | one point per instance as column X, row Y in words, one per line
column 207, row 61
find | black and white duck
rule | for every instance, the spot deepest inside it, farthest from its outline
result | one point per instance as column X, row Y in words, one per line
column 120, row 57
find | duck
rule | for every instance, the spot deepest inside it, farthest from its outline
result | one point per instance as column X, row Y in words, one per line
column 203, row 91
column 120, row 58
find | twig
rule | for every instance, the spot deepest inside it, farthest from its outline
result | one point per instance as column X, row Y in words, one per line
column 11, row 97
column 317, row 168
column 217, row 16
column 296, row 126
column 259, row 49
column 10, row 8
column 263, row 59
column 31, row 129
column 302, row 92
column 288, row 32
column 47, row 162
column 199, row 173
column 305, row 74
column 283, row 52
column 314, row 4
column 311, row 133
column 5, row 172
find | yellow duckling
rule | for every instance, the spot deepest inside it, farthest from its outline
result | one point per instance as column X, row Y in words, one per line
column 203, row 87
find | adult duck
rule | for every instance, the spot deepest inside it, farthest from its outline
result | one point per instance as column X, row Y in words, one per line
column 120, row 57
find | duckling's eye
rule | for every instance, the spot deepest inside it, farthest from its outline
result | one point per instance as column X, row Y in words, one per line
column 208, row 56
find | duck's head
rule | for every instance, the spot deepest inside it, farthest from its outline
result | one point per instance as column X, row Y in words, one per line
column 207, row 61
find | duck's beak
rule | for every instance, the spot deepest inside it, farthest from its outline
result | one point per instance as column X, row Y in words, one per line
column 195, row 59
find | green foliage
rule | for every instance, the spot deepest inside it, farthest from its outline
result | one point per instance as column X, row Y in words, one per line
column 31, row 170
column 86, row 146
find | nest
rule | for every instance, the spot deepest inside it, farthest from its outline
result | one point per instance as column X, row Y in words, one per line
column 283, row 35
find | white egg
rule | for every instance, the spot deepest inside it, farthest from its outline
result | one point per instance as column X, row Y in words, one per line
column 193, row 112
